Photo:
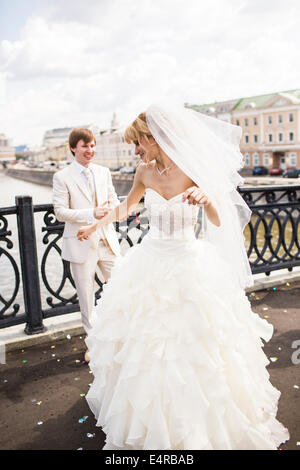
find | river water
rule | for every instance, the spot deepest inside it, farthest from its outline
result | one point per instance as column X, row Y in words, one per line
column 10, row 187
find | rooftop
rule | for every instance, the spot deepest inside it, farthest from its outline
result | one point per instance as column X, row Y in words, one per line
column 257, row 101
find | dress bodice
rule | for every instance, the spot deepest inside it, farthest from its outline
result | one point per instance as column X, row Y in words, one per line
column 170, row 218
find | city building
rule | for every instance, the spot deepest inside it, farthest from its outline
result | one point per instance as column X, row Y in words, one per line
column 270, row 124
column 56, row 153
column 111, row 149
column 56, row 137
column 7, row 153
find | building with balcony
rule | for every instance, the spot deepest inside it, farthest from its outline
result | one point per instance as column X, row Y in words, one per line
column 270, row 124
column 7, row 152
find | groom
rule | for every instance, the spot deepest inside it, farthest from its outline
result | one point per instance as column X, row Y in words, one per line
column 82, row 193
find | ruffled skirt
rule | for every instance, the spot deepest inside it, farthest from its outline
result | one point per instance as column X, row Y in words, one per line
column 177, row 356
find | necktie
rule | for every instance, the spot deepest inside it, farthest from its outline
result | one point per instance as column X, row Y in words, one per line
column 90, row 184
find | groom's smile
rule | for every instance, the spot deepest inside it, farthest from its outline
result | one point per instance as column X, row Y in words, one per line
column 84, row 152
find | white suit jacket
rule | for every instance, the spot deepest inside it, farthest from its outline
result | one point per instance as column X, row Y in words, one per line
column 72, row 203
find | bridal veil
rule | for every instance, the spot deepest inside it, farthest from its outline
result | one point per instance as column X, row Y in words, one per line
column 207, row 151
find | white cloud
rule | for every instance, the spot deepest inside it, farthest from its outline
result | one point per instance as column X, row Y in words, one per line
column 75, row 65
column 2, row 89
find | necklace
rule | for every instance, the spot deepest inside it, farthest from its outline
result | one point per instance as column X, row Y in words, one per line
column 165, row 169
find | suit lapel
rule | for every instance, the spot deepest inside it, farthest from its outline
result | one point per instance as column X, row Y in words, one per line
column 96, row 169
column 80, row 183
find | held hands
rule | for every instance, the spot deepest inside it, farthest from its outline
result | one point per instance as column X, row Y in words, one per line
column 101, row 211
column 195, row 196
column 85, row 232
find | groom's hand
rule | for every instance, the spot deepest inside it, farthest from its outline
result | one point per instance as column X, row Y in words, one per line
column 101, row 211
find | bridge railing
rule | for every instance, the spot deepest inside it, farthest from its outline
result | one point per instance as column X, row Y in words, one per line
column 35, row 283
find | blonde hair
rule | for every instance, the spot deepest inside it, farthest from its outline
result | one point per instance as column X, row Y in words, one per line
column 137, row 129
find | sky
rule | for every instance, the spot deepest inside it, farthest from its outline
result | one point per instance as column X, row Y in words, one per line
column 65, row 63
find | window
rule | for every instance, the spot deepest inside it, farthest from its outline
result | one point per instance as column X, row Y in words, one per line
column 247, row 159
column 293, row 159
column 270, row 119
column 280, row 137
column 237, row 122
column 246, row 139
column 280, row 118
column 246, row 122
column 291, row 117
column 255, row 159
column 255, row 138
column 291, row 136
column 255, row 121
column 270, row 137
column 266, row 159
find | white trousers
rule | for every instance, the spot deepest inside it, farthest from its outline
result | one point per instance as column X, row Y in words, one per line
column 84, row 278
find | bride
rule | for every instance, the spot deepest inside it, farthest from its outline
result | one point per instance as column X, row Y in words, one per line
column 175, row 348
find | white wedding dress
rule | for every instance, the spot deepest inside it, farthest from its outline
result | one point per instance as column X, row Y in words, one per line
column 175, row 348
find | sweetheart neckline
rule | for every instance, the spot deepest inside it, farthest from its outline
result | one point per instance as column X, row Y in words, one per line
column 147, row 189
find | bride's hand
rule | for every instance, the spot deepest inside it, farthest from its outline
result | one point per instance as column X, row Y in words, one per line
column 85, row 232
column 195, row 196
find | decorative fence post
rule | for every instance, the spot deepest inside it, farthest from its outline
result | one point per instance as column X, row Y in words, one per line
column 29, row 265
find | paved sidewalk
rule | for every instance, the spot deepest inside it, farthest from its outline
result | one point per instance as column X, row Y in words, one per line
column 42, row 386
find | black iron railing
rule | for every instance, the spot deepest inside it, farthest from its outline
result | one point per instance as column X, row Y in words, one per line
column 274, row 229
column 272, row 236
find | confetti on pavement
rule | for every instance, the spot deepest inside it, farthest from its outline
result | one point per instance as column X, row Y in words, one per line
column 82, row 420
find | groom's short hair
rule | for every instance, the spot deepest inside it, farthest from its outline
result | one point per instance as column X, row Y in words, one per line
column 78, row 134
